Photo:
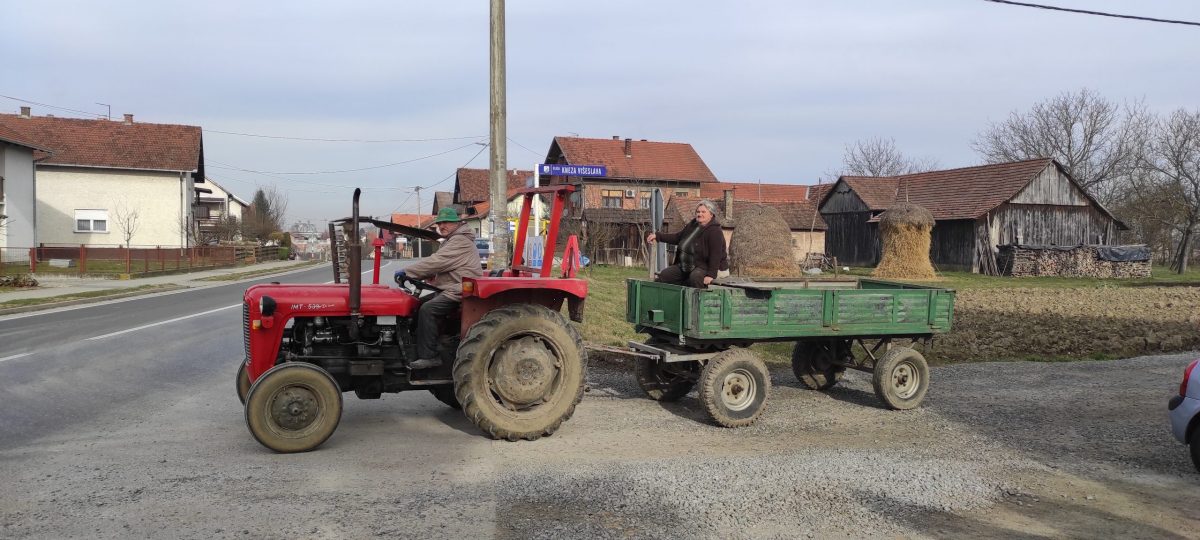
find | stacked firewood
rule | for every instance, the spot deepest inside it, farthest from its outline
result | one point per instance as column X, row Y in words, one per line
column 1081, row 261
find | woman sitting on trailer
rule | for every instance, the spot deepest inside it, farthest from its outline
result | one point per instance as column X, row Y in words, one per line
column 701, row 252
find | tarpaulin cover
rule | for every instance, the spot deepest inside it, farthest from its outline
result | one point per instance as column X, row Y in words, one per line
column 1129, row 253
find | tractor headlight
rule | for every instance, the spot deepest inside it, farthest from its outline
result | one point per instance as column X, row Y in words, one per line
column 266, row 306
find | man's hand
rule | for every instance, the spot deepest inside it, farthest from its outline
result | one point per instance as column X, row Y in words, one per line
column 707, row 280
column 651, row 238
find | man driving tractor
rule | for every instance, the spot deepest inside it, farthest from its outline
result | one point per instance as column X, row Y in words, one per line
column 458, row 258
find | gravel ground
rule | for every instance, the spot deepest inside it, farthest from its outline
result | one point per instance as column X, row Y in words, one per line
column 999, row 450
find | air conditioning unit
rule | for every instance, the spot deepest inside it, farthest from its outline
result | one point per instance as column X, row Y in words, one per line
column 629, row 193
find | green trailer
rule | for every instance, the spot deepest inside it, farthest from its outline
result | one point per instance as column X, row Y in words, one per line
column 700, row 337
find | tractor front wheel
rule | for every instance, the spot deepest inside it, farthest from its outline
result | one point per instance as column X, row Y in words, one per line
column 243, row 383
column 520, row 372
column 293, row 407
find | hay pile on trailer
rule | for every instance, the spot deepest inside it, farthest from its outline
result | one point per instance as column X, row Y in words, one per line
column 761, row 245
column 905, row 234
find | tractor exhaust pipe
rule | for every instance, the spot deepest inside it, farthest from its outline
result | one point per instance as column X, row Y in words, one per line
column 355, row 277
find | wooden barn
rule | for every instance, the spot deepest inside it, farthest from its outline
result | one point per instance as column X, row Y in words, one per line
column 976, row 209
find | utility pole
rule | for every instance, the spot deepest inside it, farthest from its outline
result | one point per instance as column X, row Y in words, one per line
column 498, row 166
column 418, row 240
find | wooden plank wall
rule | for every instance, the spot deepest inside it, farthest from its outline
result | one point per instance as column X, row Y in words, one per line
column 952, row 245
column 1043, row 224
column 849, row 237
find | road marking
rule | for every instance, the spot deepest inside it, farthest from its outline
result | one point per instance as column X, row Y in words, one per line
column 168, row 321
column 387, row 264
column 15, row 356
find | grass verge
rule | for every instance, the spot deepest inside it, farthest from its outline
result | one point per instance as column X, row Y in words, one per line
column 260, row 272
column 25, row 302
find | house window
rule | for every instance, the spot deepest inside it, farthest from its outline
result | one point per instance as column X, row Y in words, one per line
column 91, row 221
column 202, row 212
column 2, row 214
column 681, row 194
column 644, row 200
column 611, row 198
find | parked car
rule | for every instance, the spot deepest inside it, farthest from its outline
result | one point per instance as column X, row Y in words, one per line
column 1185, row 411
column 485, row 250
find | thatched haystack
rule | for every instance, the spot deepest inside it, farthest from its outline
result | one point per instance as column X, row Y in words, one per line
column 761, row 245
column 904, row 231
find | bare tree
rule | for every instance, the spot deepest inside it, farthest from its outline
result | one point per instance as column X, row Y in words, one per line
column 1094, row 139
column 127, row 220
column 878, row 156
column 1169, row 167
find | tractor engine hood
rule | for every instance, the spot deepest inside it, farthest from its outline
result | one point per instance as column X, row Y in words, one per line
column 329, row 300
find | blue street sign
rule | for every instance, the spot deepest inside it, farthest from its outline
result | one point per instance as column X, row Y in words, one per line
column 572, row 170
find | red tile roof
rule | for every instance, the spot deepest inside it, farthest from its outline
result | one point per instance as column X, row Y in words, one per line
column 10, row 136
column 419, row 221
column 800, row 215
column 104, row 143
column 750, row 191
column 648, row 160
column 817, row 192
column 471, row 185
column 965, row 193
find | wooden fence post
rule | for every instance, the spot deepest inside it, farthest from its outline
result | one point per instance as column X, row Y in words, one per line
column 82, row 259
column 126, row 259
column 32, row 260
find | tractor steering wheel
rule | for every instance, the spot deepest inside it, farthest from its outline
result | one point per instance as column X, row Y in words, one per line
column 417, row 285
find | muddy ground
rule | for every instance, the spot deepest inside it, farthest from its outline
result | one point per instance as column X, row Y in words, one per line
column 1076, row 323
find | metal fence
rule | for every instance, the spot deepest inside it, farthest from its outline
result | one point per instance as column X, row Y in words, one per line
column 134, row 261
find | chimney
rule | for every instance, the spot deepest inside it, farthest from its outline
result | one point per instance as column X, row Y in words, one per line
column 616, row 137
column 628, row 147
column 128, row 119
column 24, row 112
column 728, row 205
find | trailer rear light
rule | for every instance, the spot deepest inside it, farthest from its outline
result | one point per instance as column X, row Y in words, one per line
column 1187, row 374
column 468, row 287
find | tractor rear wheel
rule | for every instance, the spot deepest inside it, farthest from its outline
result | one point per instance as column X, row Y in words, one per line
column 445, row 394
column 243, row 383
column 734, row 386
column 293, row 407
column 520, row 372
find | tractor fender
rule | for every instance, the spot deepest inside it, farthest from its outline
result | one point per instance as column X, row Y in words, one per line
column 481, row 295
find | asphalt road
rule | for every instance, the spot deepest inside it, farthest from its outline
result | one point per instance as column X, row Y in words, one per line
column 62, row 367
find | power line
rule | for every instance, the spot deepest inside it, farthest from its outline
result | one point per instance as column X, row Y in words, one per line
column 373, row 167
column 451, row 175
column 510, row 139
column 53, row 106
column 1089, row 12
column 206, row 130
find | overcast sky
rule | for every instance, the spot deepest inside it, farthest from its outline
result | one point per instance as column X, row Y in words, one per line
column 765, row 91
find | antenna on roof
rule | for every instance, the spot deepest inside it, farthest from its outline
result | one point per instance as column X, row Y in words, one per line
column 108, row 115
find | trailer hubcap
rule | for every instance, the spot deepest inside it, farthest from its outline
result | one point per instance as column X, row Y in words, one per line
column 524, row 371
column 738, row 390
column 294, row 408
column 906, row 380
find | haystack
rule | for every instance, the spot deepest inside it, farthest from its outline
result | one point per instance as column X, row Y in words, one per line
column 904, row 230
column 761, row 245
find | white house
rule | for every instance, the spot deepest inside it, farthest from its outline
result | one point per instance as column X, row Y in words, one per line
column 18, row 206
column 213, row 204
column 101, row 175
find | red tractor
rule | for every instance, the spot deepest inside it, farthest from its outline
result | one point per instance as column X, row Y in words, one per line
column 511, row 361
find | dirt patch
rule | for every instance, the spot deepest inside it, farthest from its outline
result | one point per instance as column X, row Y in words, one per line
column 1053, row 324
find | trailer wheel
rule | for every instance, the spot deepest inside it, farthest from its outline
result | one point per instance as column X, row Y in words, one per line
column 520, row 372
column 445, row 394
column 901, row 378
column 813, row 363
column 664, row 381
column 293, row 407
column 243, row 383
column 734, row 386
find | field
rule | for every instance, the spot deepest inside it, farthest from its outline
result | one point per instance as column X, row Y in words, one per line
column 997, row 318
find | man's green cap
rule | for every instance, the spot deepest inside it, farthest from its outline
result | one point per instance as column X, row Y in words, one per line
column 447, row 215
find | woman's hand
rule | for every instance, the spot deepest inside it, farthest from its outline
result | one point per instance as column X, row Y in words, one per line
column 651, row 238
